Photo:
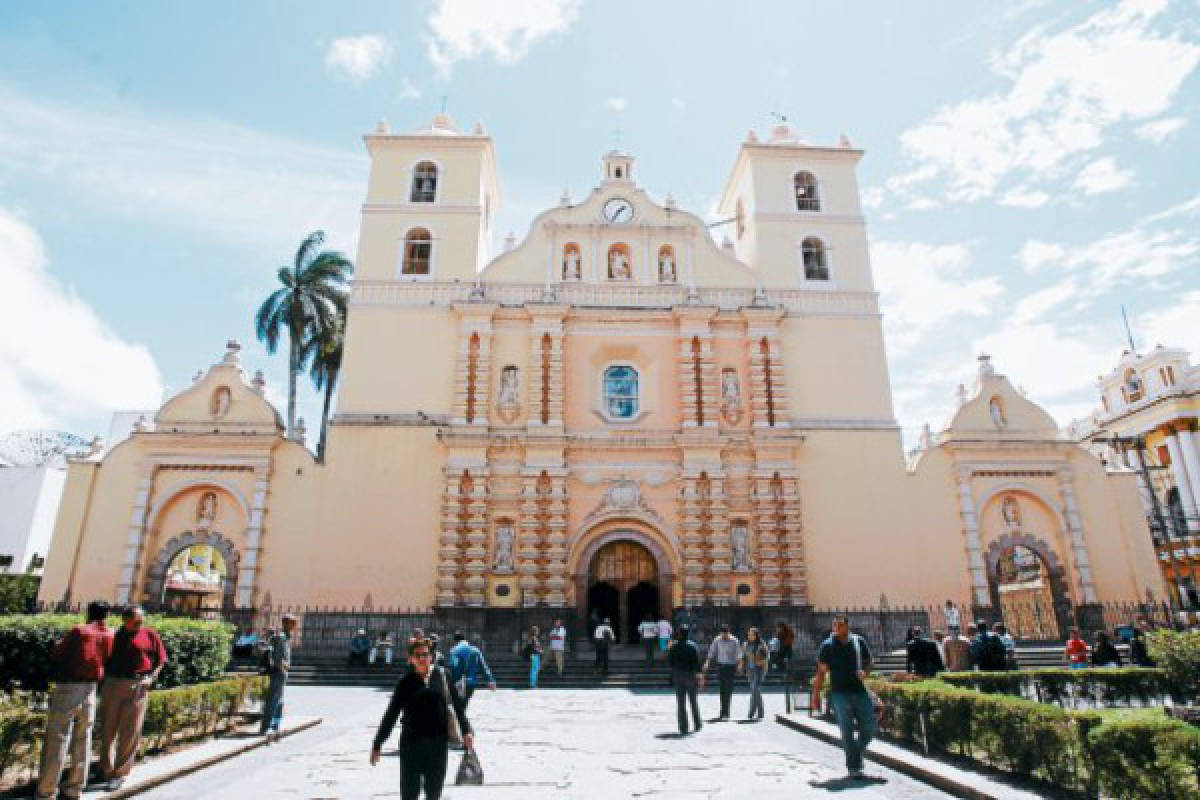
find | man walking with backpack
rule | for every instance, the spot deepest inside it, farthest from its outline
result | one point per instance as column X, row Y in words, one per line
column 602, row 638
column 466, row 662
column 845, row 658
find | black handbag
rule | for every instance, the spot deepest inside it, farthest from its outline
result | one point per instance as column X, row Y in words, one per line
column 470, row 771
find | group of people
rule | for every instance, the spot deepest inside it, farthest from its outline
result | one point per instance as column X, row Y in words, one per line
column 363, row 651
column 985, row 647
column 1104, row 652
column 120, row 666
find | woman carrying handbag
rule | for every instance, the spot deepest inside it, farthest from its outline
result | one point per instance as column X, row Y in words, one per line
column 432, row 714
column 757, row 658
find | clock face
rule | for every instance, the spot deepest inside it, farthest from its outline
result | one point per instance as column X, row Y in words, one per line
column 618, row 211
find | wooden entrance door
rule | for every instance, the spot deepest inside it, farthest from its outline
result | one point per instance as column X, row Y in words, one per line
column 623, row 565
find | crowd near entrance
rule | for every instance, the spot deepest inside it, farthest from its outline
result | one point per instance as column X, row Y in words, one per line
column 1028, row 596
column 623, row 586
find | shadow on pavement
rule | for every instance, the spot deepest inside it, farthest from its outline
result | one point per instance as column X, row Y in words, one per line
column 845, row 782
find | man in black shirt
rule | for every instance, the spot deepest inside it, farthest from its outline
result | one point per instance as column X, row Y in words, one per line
column 846, row 659
column 684, row 659
column 923, row 656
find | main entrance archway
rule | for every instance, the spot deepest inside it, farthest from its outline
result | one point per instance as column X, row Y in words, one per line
column 623, row 586
column 1027, row 588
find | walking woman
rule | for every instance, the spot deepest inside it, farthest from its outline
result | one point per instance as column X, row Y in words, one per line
column 758, row 657
column 421, row 696
column 533, row 651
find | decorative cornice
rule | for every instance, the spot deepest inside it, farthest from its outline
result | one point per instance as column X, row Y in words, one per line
column 593, row 295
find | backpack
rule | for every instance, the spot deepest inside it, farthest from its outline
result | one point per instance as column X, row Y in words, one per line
column 993, row 656
column 266, row 660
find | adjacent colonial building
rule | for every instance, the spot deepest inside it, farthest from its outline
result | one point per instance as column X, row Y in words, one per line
column 617, row 415
column 1147, row 423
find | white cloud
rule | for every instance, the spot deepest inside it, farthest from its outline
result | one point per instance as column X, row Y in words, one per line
column 1172, row 326
column 1034, row 254
column 1032, row 307
column 1065, row 90
column 1114, row 259
column 1187, row 208
column 357, row 57
column 1021, row 197
column 922, row 285
column 408, row 91
column 230, row 181
column 60, row 364
column 1102, row 175
column 1052, row 363
column 872, row 197
column 1160, row 130
column 462, row 30
column 617, row 104
column 678, row 103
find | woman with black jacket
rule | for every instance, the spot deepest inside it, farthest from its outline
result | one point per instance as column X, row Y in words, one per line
column 421, row 697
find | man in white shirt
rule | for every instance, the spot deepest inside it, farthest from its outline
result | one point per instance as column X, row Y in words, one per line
column 664, row 634
column 558, row 645
column 648, row 632
column 602, row 638
column 950, row 612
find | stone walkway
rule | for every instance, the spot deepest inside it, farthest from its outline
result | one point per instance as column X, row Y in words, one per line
column 567, row 743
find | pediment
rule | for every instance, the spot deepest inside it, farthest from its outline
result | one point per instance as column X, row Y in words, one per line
column 659, row 245
column 221, row 400
column 996, row 409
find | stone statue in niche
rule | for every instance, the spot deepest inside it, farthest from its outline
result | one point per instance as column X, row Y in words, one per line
column 571, row 267
column 1011, row 510
column 218, row 407
column 996, row 409
column 741, row 546
column 666, row 266
column 731, row 396
column 504, row 548
column 206, row 511
column 508, row 401
column 618, row 265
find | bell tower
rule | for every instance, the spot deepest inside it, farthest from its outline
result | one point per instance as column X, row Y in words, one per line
column 431, row 198
column 795, row 215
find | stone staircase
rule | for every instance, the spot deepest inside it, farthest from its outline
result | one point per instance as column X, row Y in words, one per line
column 627, row 670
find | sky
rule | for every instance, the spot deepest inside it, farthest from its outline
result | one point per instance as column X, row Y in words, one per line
column 1030, row 167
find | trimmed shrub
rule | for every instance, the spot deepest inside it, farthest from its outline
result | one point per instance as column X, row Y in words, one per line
column 1104, row 686
column 1177, row 654
column 197, row 650
column 171, row 714
column 1145, row 758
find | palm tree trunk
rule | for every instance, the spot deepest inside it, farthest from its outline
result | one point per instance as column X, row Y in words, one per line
column 293, row 371
column 325, row 419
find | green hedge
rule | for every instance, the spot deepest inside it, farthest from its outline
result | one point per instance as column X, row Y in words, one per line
column 1177, row 653
column 171, row 714
column 1104, row 686
column 197, row 650
column 1075, row 750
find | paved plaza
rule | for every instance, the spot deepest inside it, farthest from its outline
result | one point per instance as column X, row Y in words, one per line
column 553, row 743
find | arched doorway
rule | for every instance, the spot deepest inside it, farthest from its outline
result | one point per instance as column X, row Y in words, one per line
column 623, row 585
column 1027, row 589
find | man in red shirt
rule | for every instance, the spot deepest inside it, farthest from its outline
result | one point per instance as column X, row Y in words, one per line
column 137, row 657
column 1076, row 651
column 77, row 664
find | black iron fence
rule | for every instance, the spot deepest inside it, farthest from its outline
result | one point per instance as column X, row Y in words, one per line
column 324, row 633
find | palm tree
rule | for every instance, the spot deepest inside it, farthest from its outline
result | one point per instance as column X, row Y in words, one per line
column 326, row 349
column 310, row 301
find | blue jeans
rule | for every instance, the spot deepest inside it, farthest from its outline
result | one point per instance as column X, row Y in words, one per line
column 849, row 707
column 535, row 666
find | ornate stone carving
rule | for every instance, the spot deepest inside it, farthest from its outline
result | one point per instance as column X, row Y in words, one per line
column 618, row 265
column 666, row 266
column 206, row 511
column 996, row 409
column 623, row 494
column 731, row 396
column 504, row 548
column 1011, row 510
column 218, row 405
column 740, row 539
column 508, row 400
column 571, row 267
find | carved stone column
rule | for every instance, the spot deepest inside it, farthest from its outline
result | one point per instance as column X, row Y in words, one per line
column 529, row 538
column 692, row 541
column 554, row 583
column 791, row 543
column 767, row 528
column 1191, row 463
column 452, row 540
column 970, row 520
column 697, row 374
column 720, row 550
column 546, row 366
column 131, row 563
column 769, row 406
column 1079, row 553
column 251, row 564
column 473, row 371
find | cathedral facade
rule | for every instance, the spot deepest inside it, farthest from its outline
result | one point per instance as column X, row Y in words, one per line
column 616, row 414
